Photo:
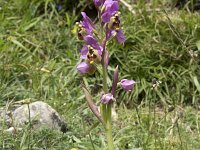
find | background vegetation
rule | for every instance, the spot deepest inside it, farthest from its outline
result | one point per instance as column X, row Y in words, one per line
column 39, row 52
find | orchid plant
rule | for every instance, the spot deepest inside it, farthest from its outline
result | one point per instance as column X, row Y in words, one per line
column 95, row 53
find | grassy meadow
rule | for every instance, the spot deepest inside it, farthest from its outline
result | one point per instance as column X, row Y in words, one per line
column 39, row 52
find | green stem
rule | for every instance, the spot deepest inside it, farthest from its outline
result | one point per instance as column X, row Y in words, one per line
column 109, row 128
column 105, row 87
column 106, row 108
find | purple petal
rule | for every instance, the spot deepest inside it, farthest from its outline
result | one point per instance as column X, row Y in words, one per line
column 120, row 37
column 84, row 51
column 109, row 33
column 111, row 8
column 83, row 67
column 114, row 7
column 109, row 3
column 127, row 85
column 98, row 2
column 84, row 15
column 87, row 23
column 100, row 50
column 87, row 20
column 90, row 40
column 106, row 98
column 106, row 17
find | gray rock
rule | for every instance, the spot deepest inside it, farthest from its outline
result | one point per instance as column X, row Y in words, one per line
column 38, row 114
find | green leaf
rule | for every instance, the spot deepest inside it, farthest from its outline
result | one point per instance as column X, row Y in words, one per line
column 196, row 82
column 12, row 39
column 198, row 45
column 32, row 24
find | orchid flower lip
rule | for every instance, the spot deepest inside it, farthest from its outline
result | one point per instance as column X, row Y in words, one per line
column 93, row 55
column 91, row 41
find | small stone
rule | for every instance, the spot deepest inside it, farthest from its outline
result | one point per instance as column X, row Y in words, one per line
column 38, row 113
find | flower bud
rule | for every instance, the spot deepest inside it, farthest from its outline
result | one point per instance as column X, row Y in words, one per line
column 106, row 98
column 115, row 80
column 98, row 3
column 84, row 68
column 127, row 85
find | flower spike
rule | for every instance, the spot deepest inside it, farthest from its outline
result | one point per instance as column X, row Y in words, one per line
column 95, row 52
